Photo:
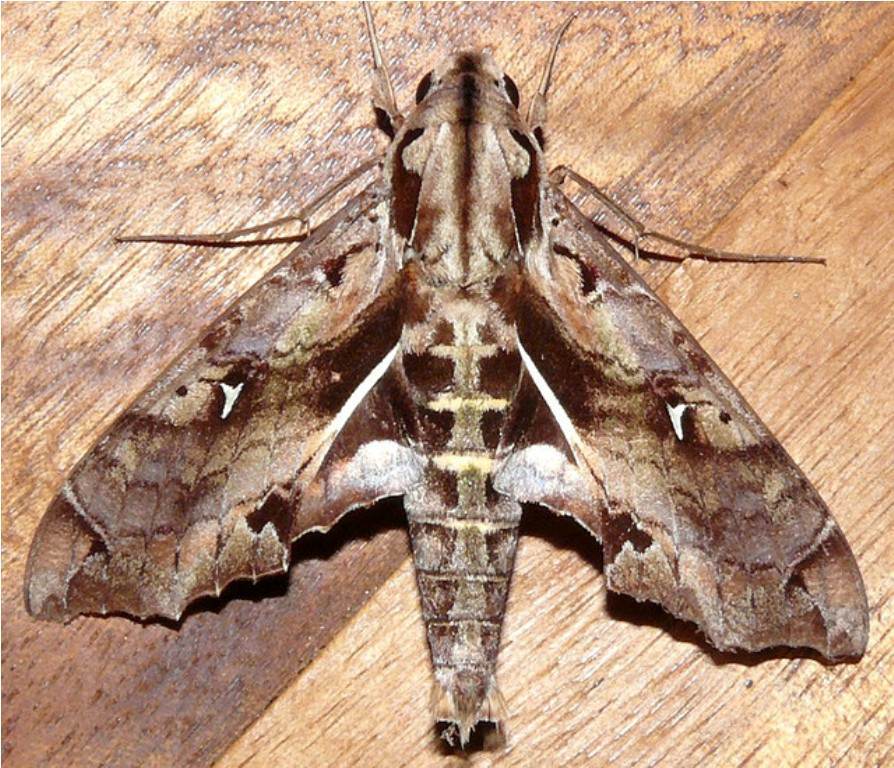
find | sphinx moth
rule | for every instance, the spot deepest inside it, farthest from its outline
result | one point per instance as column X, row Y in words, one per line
column 458, row 335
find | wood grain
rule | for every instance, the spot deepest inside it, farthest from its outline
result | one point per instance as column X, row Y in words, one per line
column 751, row 127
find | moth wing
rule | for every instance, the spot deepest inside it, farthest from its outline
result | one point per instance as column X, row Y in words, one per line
column 203, row 480
column 698, row 507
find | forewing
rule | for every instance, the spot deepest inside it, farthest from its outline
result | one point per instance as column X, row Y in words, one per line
column 201, row 480
column 699, row 507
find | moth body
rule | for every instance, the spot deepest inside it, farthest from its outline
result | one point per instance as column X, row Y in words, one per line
column 458, row 335
column 461, row 182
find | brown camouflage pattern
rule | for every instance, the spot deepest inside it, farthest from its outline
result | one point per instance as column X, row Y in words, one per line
column 459, row 335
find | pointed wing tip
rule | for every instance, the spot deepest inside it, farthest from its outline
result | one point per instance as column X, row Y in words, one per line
column 831, row 579
column 54, row 541
column 821, row 605
column 47, row 608
column 847, row 632
column 849, row 645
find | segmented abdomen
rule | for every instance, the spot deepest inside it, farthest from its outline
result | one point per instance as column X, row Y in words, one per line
column 463, row 533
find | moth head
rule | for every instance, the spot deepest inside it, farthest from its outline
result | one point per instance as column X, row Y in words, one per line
column 467, row 71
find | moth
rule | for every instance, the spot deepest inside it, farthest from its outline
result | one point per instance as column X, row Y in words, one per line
column 461, row 336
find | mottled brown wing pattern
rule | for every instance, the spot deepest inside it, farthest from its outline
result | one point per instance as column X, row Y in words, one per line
column 698, row 507
column 202, row 480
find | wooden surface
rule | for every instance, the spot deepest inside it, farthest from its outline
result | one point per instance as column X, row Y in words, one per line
column 766, row 128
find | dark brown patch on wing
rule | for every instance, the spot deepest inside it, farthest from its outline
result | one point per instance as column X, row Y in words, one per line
column 405, row 187
column 343, row 367
column 334, row 268
column 619, row 528
column 277, row 510
column 550, row 352
column 213, row 338
column 526, row 194
column 589, row 275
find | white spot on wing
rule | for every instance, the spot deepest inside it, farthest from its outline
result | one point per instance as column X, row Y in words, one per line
column 552, row 401
column 676, row 416
column 231, row 395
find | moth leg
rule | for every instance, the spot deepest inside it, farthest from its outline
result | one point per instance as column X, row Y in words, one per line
column 230, row 239
column 694, row 251
column 388, row 117
column 537, row 108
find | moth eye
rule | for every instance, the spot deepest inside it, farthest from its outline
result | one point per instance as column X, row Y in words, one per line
column 511, row 90
column 423, row 88
column 181, row 391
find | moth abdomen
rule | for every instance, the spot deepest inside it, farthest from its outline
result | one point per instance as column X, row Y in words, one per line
column 463, row 532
